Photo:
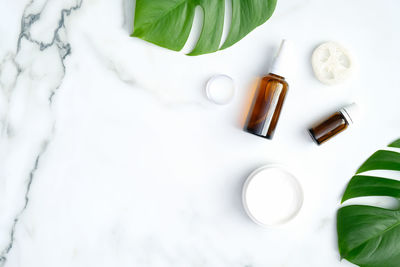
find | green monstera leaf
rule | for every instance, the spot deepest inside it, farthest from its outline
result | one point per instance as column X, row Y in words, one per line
column 370, row 236
column 167, row 23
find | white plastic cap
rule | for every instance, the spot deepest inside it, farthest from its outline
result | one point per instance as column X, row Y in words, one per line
column 351, row 113
column 282, row 59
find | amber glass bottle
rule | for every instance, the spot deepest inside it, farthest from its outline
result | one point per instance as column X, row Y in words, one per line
column 267, row 105
column 334, row 124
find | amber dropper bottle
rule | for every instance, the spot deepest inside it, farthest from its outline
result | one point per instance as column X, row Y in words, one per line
column 336, row 123
column 267, row 105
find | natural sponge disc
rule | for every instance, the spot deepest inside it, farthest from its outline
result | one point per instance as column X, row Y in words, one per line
column 332, row 63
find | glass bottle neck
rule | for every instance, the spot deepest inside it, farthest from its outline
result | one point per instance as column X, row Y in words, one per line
column 277, row 76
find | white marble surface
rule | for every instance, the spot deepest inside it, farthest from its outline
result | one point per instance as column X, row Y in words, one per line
column 110, row 155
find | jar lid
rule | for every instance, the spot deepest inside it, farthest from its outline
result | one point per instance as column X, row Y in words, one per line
column 220, row 89
column 272, row 196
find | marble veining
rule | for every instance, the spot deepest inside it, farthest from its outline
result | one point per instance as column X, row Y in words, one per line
column 64, row 49
column 110, row 154
column 4, row 253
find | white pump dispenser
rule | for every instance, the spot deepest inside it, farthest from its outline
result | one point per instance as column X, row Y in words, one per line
column 281, row 61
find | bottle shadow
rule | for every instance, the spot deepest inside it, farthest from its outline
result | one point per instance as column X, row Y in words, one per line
column 248, row 103
column 249, row 96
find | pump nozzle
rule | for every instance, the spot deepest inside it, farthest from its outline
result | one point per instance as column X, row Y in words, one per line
column 281, row 60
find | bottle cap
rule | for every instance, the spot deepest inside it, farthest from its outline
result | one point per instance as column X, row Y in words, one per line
column 281, row 61
column 351, row 113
